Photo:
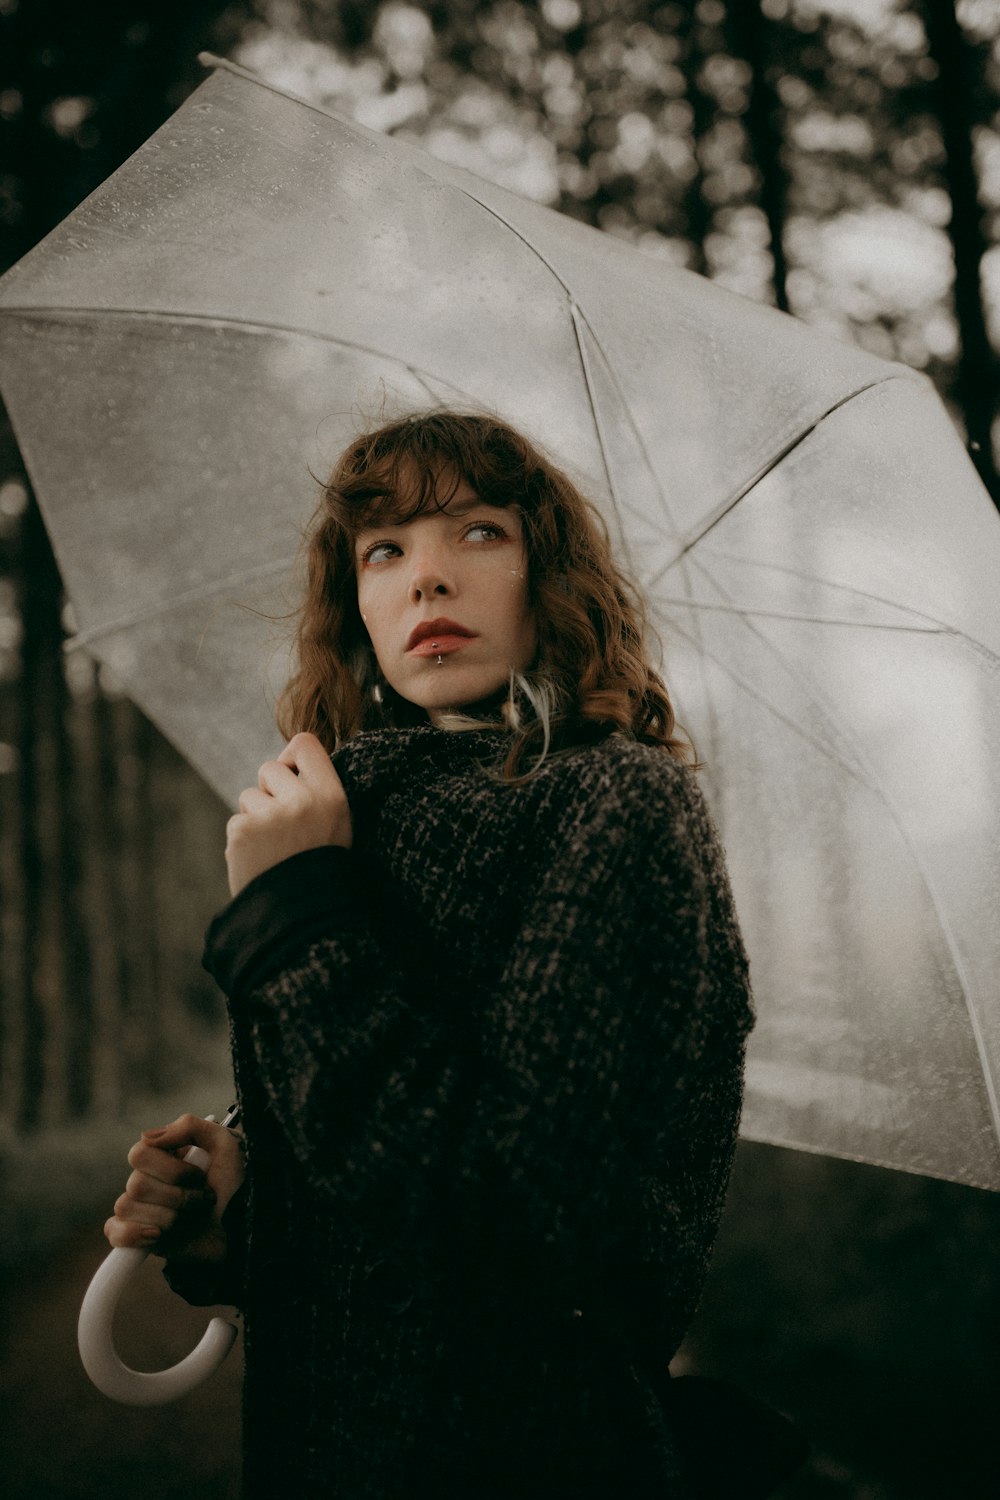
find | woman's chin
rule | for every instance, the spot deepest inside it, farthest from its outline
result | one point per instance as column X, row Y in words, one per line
column 474, row 694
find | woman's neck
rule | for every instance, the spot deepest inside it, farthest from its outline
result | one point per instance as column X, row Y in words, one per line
column 489, row 710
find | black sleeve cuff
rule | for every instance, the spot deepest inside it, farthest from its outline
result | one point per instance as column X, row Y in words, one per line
column 278, row 912
column 209, row 1283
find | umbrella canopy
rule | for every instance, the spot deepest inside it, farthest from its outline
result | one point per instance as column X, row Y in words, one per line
column 819, row 555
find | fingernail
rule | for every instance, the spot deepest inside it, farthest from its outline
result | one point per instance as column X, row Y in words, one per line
column 150, row 1232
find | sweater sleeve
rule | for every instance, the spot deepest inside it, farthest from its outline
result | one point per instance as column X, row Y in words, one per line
column 211, row 1283
column 509, row 1146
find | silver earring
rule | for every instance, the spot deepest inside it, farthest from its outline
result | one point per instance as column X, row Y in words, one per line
column 377, row 692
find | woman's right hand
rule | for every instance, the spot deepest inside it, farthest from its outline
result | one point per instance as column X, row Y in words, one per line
column 299, row 803
column 171, row 1206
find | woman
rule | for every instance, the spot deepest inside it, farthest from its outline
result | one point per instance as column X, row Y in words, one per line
column 488, row 1000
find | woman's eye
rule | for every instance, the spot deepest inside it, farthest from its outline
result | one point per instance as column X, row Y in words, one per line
column 479, row 531
column 377, row 552
column 496, row 532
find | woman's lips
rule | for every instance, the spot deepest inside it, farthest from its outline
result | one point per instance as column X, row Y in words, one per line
column 439, row 645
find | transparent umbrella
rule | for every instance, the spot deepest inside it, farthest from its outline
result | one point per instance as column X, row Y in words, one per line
column 816, row 548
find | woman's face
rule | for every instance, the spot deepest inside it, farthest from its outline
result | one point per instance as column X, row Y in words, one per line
column 444, row 598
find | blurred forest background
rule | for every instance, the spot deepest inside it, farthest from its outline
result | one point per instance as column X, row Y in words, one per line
column 837, row 158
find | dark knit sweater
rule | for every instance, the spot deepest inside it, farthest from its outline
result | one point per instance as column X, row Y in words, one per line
column 490, row 1067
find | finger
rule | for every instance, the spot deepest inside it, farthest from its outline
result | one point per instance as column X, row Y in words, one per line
column 150, row 1209
column 189, row 1130
column 131, row 1212
column 253, row 800
column 276, row 778
column 123, row 1235
column 164, row 1165
column 298, row 746
column 305, row 753
column 145, row 1189
column 146, row 1192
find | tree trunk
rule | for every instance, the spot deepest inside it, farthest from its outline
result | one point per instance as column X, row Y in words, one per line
column 747, row 30
column 959, row 89
column 696, row 208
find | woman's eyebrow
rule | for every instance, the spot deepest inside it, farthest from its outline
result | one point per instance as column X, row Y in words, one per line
column 396, row 523
column 386, row 523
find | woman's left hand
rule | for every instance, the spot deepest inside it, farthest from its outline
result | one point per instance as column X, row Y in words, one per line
column 299, row 803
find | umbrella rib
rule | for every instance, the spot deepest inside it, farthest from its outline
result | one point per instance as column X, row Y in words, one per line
column 781, row 614
column 807, row 688
column 930, row 625
column 411, row 370
column 823, row 746
column 932, row 622
column 179, row 601
column 579, row 317
column 581, row 350
column 197, row 320
column 772, row 463
column 866, row 778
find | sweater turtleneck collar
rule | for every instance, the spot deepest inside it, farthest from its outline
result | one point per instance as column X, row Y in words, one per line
column 375, row 757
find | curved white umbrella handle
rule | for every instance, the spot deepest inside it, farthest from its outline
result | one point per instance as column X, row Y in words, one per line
column 96, row 1341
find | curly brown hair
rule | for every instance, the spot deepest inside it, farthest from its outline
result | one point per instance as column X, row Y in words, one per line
column 591, row 671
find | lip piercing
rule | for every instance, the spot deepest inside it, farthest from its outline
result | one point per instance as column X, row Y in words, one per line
column 440, row 661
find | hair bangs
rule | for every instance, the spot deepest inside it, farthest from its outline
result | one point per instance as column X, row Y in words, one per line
column 397, row 488
column 415, row 466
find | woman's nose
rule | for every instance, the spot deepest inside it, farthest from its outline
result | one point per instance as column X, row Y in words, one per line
column 429, row 579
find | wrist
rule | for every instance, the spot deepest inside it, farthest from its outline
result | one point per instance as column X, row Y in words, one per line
column 209, row 1248
column 243, row 872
